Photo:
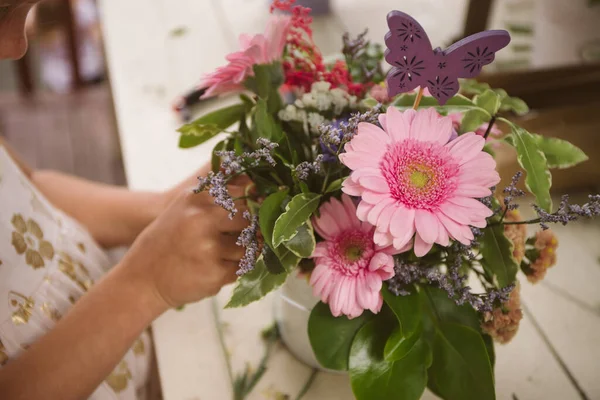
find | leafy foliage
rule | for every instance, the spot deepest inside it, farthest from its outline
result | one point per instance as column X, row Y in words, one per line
column 559, row 153
column 209, row 125
column 331, row 337
column 497, row 252
column 297, row 212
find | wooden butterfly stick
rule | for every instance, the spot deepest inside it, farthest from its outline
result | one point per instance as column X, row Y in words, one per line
column 418, row 99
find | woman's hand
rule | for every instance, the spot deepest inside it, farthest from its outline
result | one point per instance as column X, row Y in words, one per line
column 189, row 252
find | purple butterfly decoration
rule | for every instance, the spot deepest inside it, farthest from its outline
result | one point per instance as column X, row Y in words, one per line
column 415, row 63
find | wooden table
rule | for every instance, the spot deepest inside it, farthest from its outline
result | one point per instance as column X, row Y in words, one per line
column 157, row 49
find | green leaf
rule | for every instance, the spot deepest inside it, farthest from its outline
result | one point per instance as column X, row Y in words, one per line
column 444, row 309
column 209, row 125
column 266, row 126
column 515, row 105
column 461, row 367
column 335, row 185
column 489, row 100
column 489, row 346
column 269, row 211
column 373, row 378
column 472, row 86
column 297, row 212
column 559, row 153
column 458, row 103
column 272, row 262
column 255, row 285
column 331, row 337
column 473, row 119
column 497, row 252
column 408, row 312
column 303, row 243
column 533, row 161
column 266, row 80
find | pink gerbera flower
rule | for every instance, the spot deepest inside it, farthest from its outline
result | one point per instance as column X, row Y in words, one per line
column 254, row 49
column 350, row 268
column 415, row 182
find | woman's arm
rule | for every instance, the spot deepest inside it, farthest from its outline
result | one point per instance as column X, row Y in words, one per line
column 84, row 347
column 113, row 215
column 183, row 256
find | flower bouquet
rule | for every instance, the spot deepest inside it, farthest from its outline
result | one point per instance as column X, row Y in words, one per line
column 379, row 190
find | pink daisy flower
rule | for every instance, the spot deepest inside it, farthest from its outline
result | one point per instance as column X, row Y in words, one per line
column 350, row 268
column 415, row 182
column 254, row 49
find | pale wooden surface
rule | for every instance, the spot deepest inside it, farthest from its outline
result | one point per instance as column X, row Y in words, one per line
column 555, row 355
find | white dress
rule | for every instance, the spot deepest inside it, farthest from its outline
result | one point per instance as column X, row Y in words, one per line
column 47, row 262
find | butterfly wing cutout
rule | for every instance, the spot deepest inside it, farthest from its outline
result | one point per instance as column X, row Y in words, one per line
column 464, row 59
column 409, row 52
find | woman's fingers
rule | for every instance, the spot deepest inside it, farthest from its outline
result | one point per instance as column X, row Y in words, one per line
column 230, row 251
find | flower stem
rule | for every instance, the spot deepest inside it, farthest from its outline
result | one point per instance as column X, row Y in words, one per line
column 418, row 99
column 528, row 222
column 489, row 128
column 308, row 384
column 217, row 321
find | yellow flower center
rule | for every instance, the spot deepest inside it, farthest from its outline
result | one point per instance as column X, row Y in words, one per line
column 419, row 179
column 353, row 253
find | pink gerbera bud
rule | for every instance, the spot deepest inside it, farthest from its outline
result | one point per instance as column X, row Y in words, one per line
column 350, row 268
column 415, row 183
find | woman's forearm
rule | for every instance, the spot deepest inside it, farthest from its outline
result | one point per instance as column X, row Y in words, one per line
column 86, row 345
column 113, row 215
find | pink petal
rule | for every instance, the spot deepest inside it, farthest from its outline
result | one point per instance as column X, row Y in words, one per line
column 466, row 147
column 426, row 225
column 482, row 161
column 363, row 210
column 382, row 239
column 338, row 211
column 350, row 208
column 375, row 183
column 351, row 187
column 370, row 134
column 454, row 229
column 358, row 159
column 474, row 206
column 336, row 300
column 373, row 282
column 383, row 224
column 362, row 292
column 376, row 211
column 402, row 225
column 321, row 250
column 383, row 121
column 398, row 123
column 376, row 198
column 350, row 306
column 380, row 260
column 429, row 126
column 326, row 226
column 443, row 239
column 470, row 190
column 456, row 213
column 421, row 247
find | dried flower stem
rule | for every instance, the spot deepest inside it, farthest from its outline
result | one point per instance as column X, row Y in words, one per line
column 418, row 99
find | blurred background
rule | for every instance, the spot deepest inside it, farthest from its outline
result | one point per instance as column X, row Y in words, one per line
column 48, row 98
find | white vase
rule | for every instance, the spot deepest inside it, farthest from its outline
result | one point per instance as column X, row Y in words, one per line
column 292, row 306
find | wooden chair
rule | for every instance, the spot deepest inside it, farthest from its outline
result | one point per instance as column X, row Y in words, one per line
column 67, row 22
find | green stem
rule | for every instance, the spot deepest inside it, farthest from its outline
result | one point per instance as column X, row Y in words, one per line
column 528, row 222
column 217, row 321
column 326, row 180
column 307, row 384
column 489, row 128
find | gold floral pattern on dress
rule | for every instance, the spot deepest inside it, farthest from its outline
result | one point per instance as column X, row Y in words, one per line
column 75, row 270
column 81, row 247
column 28, row 239
column 119, row 378
column 51, row 312
column 40, row 207
column 139, row 347
column 22, row 306
column 3, row 355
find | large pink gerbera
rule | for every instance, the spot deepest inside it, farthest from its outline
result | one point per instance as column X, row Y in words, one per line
column 254, row 49
column 350, row 268
column 415, row 182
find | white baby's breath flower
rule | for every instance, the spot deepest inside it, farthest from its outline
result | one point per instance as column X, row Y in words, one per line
column 298, row 103
column 314, row 121
column 322, row 101
column 290, row 113
column 308, row 100
column 320, row 87
column 352, row 101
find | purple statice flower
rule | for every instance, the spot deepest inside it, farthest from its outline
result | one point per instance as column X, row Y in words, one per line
column 569, row 212
column 511, row 191
column 303, row 169
column 331, row 136
column 232, row 163
column 249, row 240
column 452, row 282
column 216, row 183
